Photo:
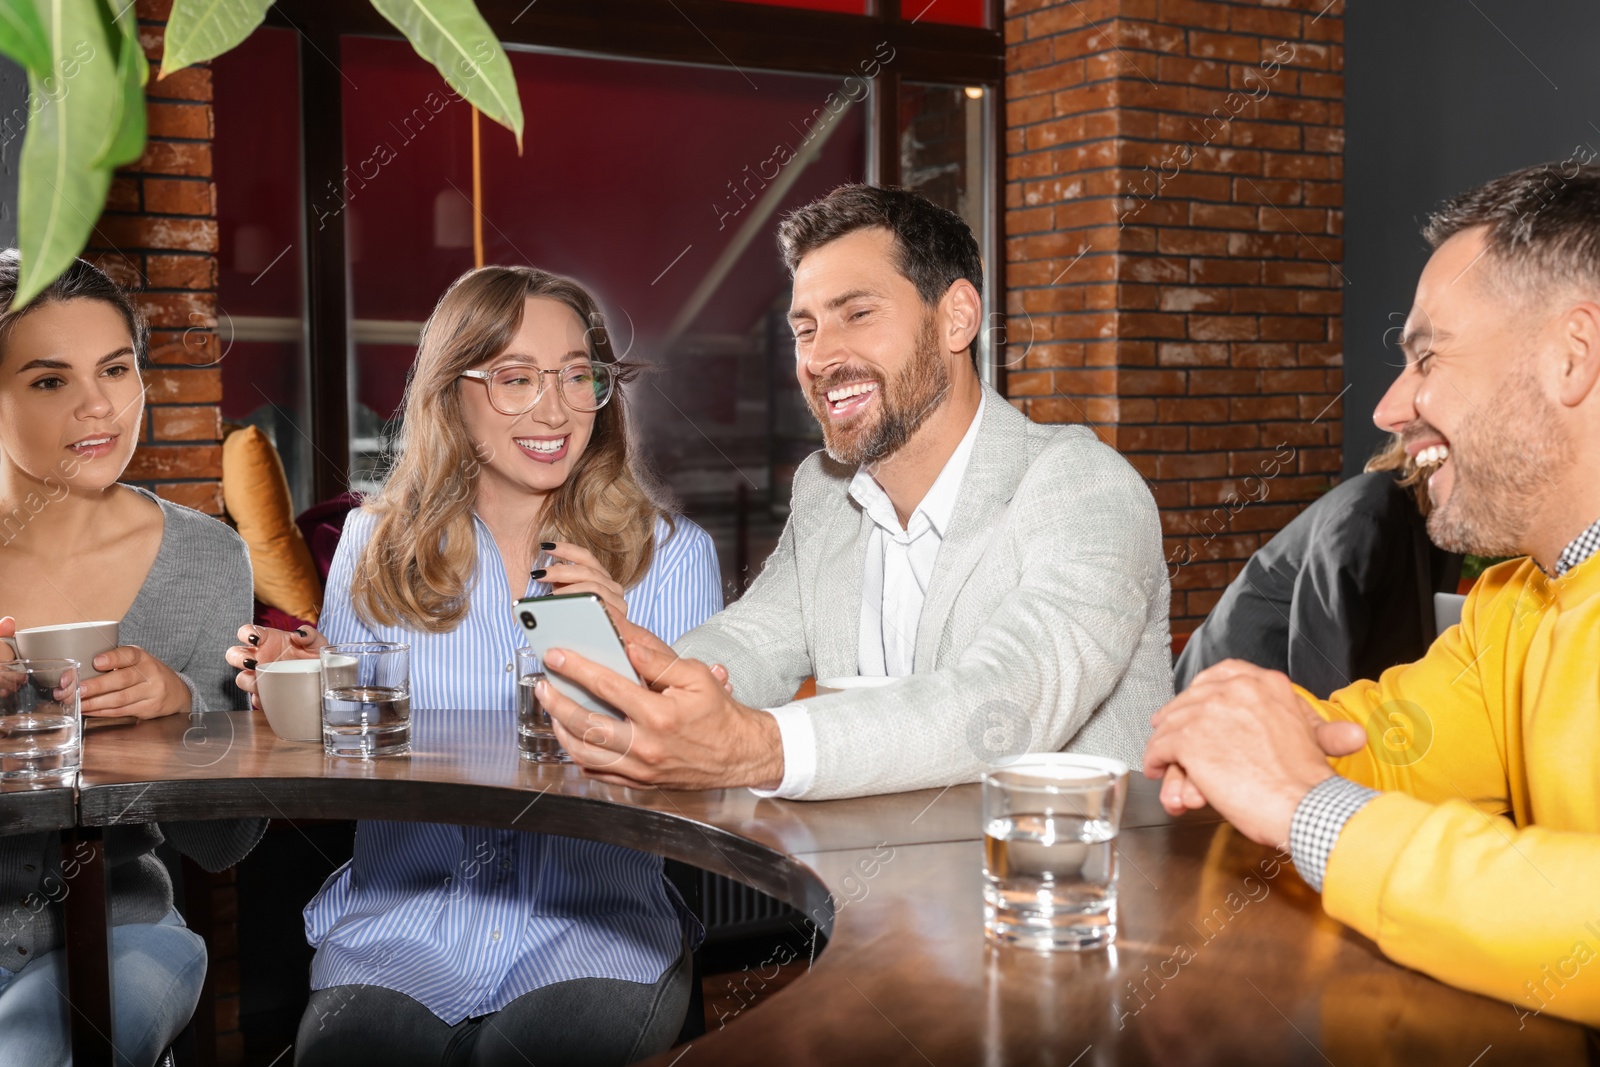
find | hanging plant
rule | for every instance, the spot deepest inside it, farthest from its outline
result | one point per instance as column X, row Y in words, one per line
column 86, row 115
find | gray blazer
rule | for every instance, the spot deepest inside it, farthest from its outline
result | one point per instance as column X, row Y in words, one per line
column 1044, row 628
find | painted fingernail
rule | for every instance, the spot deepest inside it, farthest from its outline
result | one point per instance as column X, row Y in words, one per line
column 548, row 546
column 249, row 664
column 301, row 632
column 254, row 639
column 536, row 575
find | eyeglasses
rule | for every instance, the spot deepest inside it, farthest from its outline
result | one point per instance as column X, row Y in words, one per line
column 515, row 388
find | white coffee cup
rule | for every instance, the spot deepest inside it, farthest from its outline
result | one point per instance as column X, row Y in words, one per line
column 82, row 641
column 291, row 697
column 840, row 685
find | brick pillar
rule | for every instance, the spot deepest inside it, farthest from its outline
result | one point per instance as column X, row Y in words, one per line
column 159, row 235
column 1173, row 211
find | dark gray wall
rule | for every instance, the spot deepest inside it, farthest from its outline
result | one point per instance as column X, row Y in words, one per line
column 13, row 106
column 1439, row 96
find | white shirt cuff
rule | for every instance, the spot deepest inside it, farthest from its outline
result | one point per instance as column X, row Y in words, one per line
column 799, row 741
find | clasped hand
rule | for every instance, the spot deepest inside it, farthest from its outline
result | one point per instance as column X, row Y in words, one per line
column 1241, row 739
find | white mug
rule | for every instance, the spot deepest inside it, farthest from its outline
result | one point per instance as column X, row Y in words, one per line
column 82, row 641
column 290, row 691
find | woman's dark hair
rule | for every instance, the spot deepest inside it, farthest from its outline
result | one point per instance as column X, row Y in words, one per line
column 933, row 245
column 81, row 280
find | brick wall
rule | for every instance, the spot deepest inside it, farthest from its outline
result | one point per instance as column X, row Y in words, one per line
column 1173, row 211
column 159, row 235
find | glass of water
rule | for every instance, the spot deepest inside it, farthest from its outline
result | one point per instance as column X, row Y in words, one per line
column 366, row 699
column 1049, row 850
column 41, row 723
column 536, row 738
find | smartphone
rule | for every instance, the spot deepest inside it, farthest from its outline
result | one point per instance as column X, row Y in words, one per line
column 577, row 622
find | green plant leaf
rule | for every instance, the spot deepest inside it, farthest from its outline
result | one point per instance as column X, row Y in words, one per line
column 126, row 142
column 199, row 30
column 60, row 190
column 22, row 35
column 452, row 36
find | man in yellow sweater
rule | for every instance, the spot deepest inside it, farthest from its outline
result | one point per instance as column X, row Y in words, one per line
column 1459, row 824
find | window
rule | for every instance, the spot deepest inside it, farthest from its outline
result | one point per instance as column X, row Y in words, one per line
column 256, row 165
column 945, row 155
column 659, row 187
column 951, row 12
column 848, row 7
column 660, row 150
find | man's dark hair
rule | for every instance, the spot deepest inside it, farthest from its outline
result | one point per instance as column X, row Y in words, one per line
column 1543, row 225
column 81, row 280
column 933, row 245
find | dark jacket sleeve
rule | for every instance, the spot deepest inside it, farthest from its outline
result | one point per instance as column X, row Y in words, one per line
column 1330, row 616
column 217, row 844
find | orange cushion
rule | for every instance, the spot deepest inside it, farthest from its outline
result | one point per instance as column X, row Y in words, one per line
column 256, row 493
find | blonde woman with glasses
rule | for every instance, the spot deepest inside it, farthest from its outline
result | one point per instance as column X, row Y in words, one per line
column 514, row 443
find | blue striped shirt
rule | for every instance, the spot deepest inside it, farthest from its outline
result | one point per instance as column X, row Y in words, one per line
column 465, row 919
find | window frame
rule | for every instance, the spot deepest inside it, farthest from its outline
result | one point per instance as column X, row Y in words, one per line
column 699, row 32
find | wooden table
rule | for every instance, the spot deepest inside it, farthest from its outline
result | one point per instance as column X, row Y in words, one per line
column 1223, row 955
column 28, row 809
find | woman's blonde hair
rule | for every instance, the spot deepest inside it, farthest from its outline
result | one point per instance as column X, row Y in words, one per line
column 1393, row 457
column 417, row 568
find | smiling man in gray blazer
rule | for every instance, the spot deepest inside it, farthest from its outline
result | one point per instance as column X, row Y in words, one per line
column 1009, row 575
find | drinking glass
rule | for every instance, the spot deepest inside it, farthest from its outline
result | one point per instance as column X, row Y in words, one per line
column 1049, row 847
column 536, row 738
column 41, row 722
column 366, row 699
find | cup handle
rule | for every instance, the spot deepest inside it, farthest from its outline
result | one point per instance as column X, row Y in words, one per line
column 11, row 643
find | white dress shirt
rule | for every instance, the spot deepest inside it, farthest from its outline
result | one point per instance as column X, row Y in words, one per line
column 894, row 582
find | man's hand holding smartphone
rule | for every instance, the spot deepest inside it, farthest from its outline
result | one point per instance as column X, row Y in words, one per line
column 683, row 729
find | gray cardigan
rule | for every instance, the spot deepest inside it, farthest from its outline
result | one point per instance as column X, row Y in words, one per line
column 1044, row 626
column 197, row 594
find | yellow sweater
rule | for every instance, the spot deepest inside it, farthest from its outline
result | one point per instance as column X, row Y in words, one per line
column 1480, row 863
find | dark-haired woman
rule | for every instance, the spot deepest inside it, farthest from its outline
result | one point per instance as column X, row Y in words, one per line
column 77, row 546
column 459, row 944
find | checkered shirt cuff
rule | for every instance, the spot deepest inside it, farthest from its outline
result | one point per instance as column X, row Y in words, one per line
column 1318, row 821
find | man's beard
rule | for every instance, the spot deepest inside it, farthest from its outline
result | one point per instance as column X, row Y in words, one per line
column 917, row 391
column 1499, row 483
